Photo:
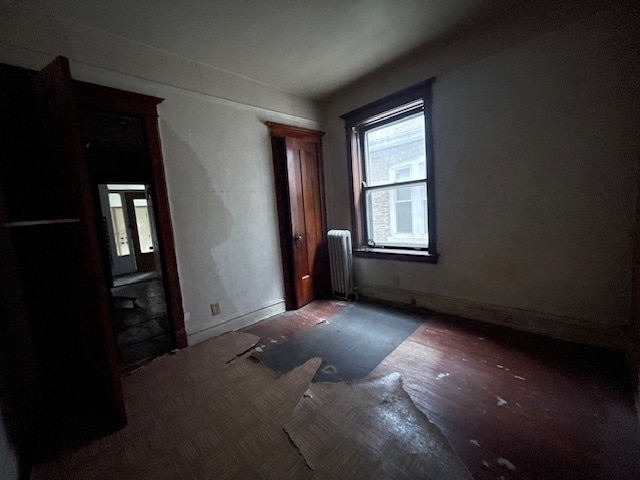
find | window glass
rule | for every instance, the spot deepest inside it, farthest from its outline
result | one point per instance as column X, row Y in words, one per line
column 397, row 142
column 395, row 153
column 397, row 216
column 391, row 159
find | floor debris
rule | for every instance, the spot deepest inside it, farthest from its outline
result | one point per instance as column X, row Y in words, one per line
column 506, row 463
column 501, row 401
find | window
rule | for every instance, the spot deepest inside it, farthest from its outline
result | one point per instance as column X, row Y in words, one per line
column 408, row 212
column 119, row 225
column 391, row 159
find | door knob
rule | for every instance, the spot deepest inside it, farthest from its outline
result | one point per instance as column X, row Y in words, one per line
column 297, row 238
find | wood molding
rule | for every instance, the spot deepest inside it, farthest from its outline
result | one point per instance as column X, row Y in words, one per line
column 90, row 95
column 236, row 323
column 112, row 100
column 564, row 328
column 282, row 130
column 388, row 110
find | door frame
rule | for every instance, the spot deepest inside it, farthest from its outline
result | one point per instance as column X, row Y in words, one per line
column 54, row 89
column 111, row 100
column 279, row 133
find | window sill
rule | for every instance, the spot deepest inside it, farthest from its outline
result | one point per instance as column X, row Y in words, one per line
column 396, row 254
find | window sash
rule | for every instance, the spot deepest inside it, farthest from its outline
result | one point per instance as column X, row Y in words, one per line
column 394, row 239
column 392, row 108
column 361, row 133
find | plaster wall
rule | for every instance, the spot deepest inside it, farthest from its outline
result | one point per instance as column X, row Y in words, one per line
column 536, row 159
column 217, row 156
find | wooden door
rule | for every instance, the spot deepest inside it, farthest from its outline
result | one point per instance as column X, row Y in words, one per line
column 95, row 377
column 299, row 189
column 139, row 219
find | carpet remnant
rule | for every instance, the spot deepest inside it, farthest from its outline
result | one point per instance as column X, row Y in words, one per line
column 370, row 429
column 351, row 343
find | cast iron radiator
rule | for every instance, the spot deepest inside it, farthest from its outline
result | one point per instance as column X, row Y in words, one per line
column 341, row 261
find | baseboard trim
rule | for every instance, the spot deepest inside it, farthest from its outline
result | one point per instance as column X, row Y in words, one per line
column 236, row 323
column 564, row 328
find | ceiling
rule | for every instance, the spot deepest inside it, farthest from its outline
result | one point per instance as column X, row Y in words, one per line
column 307, row 47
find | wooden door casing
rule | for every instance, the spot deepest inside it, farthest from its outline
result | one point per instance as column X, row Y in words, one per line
column 297, row 155
column 92, row 329
column 98, row 98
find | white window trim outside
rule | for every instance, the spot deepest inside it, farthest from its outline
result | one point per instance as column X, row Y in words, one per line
column 418, row 222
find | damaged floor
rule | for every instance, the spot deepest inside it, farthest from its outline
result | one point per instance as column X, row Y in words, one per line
column 512, row 406
column 142, row 326
column 213, row 412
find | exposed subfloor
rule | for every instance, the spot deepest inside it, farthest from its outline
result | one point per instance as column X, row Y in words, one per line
column 142, row 324
column 512, row 404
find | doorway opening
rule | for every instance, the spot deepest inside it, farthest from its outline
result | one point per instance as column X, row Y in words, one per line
column 141, row 325
column 123, row 155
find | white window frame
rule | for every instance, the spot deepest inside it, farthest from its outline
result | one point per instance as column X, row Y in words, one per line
column 418, row 221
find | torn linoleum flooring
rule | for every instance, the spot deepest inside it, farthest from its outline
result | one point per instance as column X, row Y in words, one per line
column 207, row 413
column 370, row 429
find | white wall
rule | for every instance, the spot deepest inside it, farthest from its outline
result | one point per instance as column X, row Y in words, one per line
column 217, row 157
column 536, row 154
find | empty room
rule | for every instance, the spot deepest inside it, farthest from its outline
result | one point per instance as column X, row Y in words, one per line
column 296, row 239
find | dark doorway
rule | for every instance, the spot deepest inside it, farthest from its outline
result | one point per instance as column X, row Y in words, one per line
column 117, row 153
column 141, row 323
column 122, row 146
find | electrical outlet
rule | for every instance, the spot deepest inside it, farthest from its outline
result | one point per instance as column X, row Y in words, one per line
column 215, row 308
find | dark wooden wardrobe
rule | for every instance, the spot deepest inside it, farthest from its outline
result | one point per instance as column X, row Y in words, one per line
column 56, row 340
